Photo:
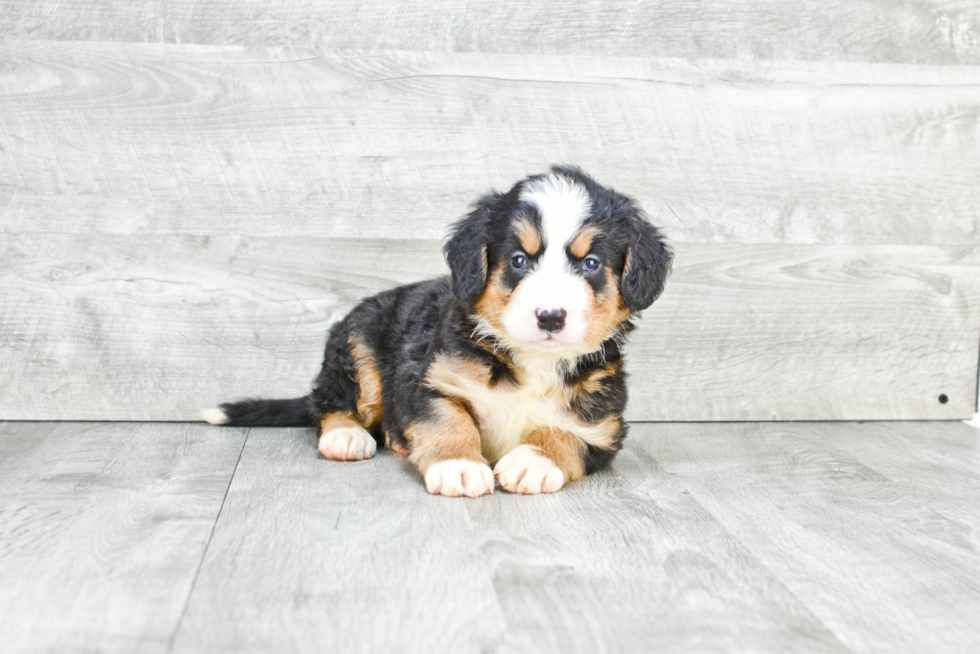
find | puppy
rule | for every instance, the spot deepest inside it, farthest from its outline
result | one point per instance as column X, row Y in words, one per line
column 515, row 360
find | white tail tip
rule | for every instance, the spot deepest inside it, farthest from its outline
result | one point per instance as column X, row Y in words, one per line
column 215, row 416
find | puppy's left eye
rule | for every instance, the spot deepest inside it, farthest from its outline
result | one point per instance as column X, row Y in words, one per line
column 590, row 263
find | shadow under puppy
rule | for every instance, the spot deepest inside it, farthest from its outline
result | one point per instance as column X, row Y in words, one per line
column 513, row 360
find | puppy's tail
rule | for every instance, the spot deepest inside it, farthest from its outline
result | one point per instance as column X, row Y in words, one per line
column 262, row 413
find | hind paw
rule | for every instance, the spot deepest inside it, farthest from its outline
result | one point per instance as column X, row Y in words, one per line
column 347, row 444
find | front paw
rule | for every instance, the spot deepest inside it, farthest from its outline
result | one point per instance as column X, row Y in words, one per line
column 525, row 470
column 457, row 477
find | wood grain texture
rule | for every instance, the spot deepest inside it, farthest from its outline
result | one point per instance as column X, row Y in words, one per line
column 156, row 327
column 933, row 31
column 810, row 333
column 822, row 537
column 314, row 555
column 129, row 139
column 865, row 523
column 102, row 530
column 105, row 327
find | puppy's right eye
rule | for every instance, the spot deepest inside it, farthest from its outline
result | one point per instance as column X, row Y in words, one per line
column 519, row 261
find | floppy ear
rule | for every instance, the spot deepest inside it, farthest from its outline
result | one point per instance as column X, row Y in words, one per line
column 648, row 262
column 466, row 250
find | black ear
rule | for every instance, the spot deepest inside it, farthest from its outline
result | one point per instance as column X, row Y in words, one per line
column 466, row 250
column 648, row 261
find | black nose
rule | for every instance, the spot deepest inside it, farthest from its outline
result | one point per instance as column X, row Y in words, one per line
column 551, row 321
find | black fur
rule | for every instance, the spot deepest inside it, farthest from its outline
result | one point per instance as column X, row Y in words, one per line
column 406, row 327
column 649, row 261
column 645, row 259
column 270, row 413
column 466, row 251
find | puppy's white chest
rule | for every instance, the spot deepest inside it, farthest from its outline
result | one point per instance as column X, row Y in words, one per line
column 508, row 413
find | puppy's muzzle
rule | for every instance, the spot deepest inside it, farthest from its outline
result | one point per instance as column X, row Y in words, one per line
column 551, row 321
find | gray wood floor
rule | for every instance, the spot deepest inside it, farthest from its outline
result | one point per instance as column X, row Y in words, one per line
column 156, row 537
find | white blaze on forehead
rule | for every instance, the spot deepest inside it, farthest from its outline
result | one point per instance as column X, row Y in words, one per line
column 563, row 205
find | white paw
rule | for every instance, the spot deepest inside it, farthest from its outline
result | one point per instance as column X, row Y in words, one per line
column 457, row 477
column 525, row 470
column 347, row 444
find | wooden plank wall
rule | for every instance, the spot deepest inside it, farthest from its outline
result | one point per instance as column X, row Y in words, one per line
column 191, row 192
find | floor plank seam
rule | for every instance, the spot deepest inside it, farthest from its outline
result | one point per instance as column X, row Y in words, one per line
column 749, row 553
column 207, row 545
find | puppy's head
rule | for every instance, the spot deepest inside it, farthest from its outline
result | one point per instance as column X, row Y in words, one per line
column 557, row 264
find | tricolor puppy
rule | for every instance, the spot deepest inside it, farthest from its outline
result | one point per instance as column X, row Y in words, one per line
column 513, row 361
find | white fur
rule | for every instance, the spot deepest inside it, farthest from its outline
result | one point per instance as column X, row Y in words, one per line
column 456, row 477
column 525, row 470
column 551, row 283
column 347, row 444
column 507, row 413
column 215, row 416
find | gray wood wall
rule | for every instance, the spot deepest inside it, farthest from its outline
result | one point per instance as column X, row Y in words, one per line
column 191, row 192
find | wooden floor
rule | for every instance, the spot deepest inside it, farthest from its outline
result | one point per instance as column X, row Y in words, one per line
column 762, row 537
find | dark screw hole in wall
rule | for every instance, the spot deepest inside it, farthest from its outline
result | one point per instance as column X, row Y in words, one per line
column 943, row 399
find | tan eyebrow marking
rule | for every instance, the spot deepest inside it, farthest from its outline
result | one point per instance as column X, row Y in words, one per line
column 528, row 234
column 582, row 243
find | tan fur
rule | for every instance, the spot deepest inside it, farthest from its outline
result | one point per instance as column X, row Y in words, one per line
column 582, row 243
column 494, row 299
column 606, row 311
column 450, row 434
column 338, row 420
column 450, row 375
column 593, row 383
column 370, row 405
column 603, row 434
column 483, row 260
column 507, row 413
column 629, row 263
column 395, row 445
column 528, row 235
column 564, row 449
